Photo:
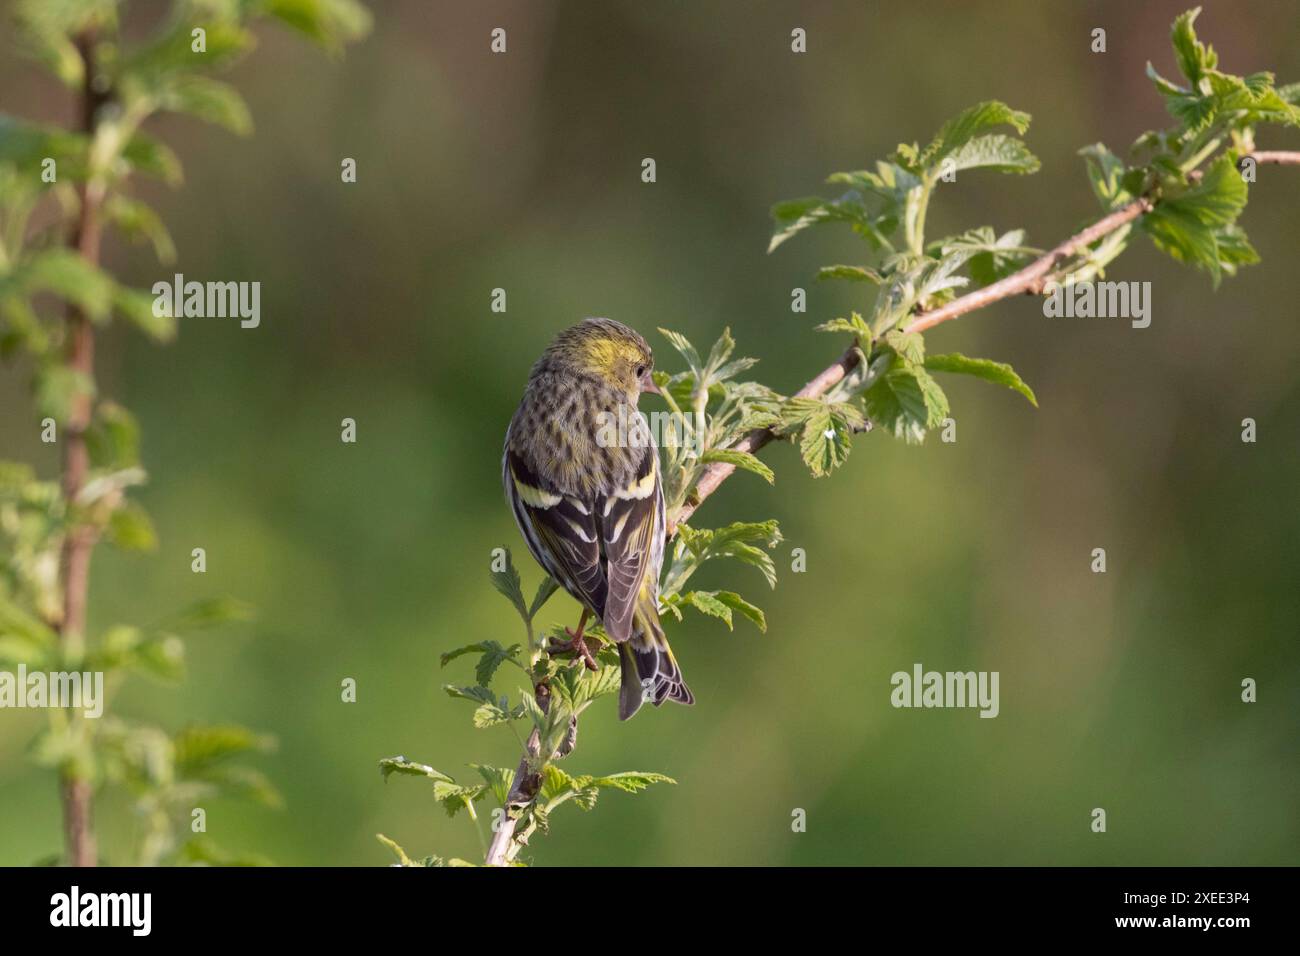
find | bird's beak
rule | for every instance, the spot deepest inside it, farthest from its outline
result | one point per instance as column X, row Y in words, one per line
column 648, row 385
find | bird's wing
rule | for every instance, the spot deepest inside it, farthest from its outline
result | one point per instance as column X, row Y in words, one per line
column 561, row 531
column 632, row 532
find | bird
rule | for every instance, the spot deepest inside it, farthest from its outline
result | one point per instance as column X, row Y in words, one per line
column 582, row 476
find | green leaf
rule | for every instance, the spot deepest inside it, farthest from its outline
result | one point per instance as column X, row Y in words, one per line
column 997, row 151
column 46, row 28
column 827, row 437
column 544, row 592
column 492, row 714
column 737, row 604
column 854, row 325
column 69, row 276
column 244, row 782
column 737, row 540
column 631, row 781
column 137, row 307
column 1218, row 199
column 794, row 216
column 204, row 852
column 153, row 158
column 997, row 372
column 331, row 23
column 706, row 603
column 492, row 710
column 140, row 223
column 910, row 345
column 455, row 797
column 1183, row 237
column 130, row 529
column 56, row 387
column 1194, row 57
column 507, row 582
column 493, row 655
column 1105, row 174
column 145, row 73
column 499, row 780
column 24, row 638
column 476, row 694
column 937, row 280
column 853, row 273
column 209, row 100
column 210, row 612
column 578, row 687
column 906, row 401
column 1234, row 248
column 991, row 257
column 734, row 601
column 199, row 748
column 113, row 438
column 400, row 765
column 960, row 130
column 741, row 459
column 1188, row 227
column 160, row 656
column 26, row 145
column 683, row 345
column 533, row 711
column 555, row 783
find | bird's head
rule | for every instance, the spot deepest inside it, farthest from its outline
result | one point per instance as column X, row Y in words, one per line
column 608, row 350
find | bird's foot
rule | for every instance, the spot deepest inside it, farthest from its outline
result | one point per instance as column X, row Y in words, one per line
column 576, row 644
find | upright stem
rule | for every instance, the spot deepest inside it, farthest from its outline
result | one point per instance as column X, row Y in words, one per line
column 503, row 847
column 916, row 222
column 79, row 539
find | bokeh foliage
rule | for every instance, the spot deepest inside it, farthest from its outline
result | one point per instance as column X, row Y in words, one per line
column 521, row 172
column 56, row 183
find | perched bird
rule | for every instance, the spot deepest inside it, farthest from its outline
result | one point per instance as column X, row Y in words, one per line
column 581, row 474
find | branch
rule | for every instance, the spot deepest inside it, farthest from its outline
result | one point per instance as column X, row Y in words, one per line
column 522, row 789
column 79, row 539
column 1276, row 157
column 1030, row 279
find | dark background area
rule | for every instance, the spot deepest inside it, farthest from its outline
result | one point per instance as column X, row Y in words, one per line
column 1118, row 690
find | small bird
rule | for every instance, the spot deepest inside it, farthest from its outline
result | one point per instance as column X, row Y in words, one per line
column 581, row 474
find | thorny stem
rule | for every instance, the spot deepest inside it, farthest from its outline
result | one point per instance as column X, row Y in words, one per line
column 1030, row 279
column 79, row 539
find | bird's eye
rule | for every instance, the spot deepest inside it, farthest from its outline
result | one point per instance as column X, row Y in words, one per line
column 640, row 370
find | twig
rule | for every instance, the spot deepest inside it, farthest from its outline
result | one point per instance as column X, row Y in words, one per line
column 79, row 540
column 1276, row 157
column 522, row 789
column 1029, row 279
column 718, row 472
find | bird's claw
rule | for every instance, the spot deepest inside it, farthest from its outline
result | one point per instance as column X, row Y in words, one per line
column 576, row 644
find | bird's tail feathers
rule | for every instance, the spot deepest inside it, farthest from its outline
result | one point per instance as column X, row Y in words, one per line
column 649, row 669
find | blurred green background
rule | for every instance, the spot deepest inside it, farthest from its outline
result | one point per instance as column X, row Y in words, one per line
column 522, row 171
